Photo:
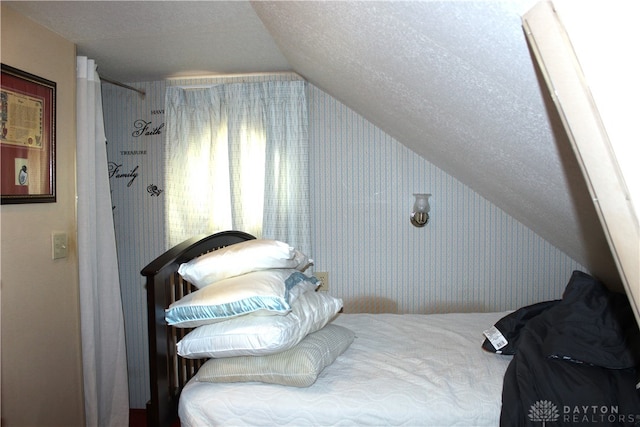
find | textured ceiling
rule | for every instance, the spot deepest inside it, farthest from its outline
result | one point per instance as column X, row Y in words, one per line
column 152, row 40
column 452, row 80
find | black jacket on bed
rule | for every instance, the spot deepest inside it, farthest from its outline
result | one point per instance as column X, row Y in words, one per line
column 575, row 360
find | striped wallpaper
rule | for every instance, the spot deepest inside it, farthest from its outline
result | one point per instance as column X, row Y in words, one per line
column 470, row 257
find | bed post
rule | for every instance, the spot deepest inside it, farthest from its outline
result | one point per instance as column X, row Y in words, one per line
column 157, row 372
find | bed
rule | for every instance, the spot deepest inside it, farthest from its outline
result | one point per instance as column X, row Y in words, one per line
column 389, row 369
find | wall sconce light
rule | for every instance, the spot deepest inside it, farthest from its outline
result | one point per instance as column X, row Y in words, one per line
column 420, row 214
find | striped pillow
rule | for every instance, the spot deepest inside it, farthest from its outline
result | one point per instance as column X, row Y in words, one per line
column 297, row 367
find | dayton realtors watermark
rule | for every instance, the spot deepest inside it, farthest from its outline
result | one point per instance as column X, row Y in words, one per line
column 545, row 411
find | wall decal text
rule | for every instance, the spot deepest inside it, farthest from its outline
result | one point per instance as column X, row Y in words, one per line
column 114, row 172
column 145, row 128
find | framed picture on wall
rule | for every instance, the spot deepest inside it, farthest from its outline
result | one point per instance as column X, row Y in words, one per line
column 27, row 137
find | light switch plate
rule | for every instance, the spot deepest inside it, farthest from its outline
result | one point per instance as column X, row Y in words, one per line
column 59, row 245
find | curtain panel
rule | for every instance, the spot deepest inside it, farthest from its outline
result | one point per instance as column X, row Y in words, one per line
column 236, row 157
column 106, row 390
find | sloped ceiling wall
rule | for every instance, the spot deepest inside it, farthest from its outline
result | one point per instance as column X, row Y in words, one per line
column 456, row 83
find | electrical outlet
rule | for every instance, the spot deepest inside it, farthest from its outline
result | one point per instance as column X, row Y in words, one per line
column 59, row 243
column 323, row 276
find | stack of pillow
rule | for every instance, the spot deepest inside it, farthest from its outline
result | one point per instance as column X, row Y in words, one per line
column 257, row 316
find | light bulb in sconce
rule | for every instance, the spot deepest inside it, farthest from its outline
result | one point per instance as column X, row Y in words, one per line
column 420, row 214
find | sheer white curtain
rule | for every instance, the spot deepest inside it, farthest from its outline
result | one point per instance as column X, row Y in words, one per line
column 236, row 157
column 106, row 394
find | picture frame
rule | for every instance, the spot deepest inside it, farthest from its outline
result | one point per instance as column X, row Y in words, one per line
column 27, row 137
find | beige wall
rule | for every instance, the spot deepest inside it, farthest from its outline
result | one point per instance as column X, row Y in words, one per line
column 41, row 353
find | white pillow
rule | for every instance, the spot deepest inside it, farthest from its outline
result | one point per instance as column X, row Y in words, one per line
column 267, row 292
column 297, row 367
column 240, row 258
column 253, row 335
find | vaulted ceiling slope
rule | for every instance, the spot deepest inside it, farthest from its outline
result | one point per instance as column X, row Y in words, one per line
column 454, row 81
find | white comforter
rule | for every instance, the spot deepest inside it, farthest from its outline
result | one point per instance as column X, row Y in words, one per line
column 413, row 370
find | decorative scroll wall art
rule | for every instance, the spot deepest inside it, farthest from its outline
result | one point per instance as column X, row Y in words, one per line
column 27, row 138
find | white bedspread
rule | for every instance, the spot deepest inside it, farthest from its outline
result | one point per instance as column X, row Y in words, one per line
column 413, row 370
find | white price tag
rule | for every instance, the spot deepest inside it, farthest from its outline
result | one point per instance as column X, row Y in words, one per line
column 495, row 337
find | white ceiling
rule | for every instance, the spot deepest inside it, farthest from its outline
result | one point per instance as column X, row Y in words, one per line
column 452, row 80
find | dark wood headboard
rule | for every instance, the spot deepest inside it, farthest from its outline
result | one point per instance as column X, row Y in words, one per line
column 168, row 372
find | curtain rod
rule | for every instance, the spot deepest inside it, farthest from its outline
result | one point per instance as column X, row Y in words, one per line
column 238, row 75
column 171, row 81
column 200, row 86
column 117, row 83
